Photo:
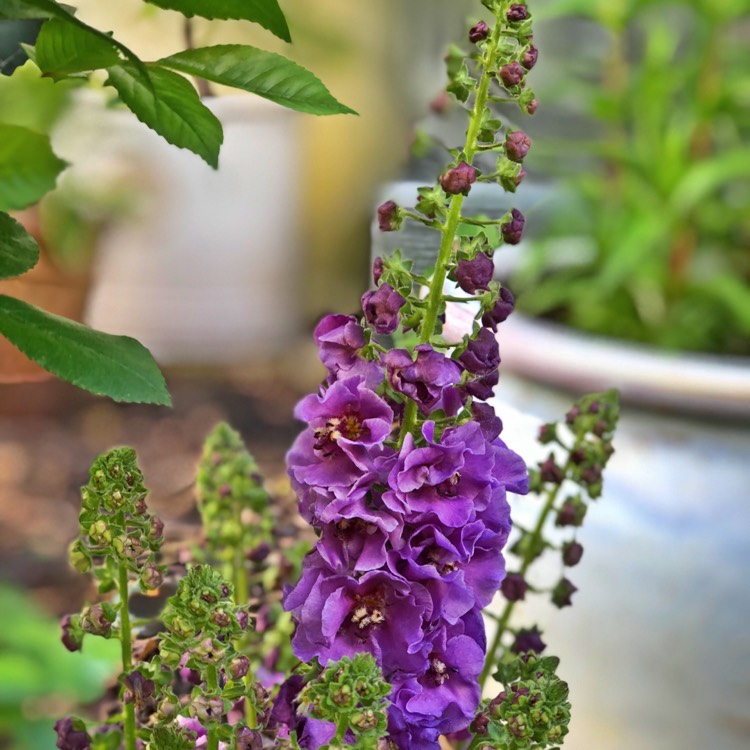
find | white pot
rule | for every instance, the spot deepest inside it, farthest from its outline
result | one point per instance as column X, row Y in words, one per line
column 205, row 273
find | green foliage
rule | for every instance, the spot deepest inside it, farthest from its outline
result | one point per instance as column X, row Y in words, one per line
column 114, row 366
column 35, row 671
column 352, row 694
column 265, row 12
column 62, row 49
column 263, row 73
column 28, row 167
column 169, row 105
column 171, row 738
column 654, row 209
column 21, row 251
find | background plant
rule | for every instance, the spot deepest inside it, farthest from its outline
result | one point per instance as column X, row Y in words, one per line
column 163, row 99
column 648, row 235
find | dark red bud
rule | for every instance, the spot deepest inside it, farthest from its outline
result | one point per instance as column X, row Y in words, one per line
column 479, row 32
column 511, row 74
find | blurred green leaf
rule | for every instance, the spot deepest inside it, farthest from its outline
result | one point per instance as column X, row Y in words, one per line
column 18, row 249
column 63, row 49
column 28, row 167
column 267, row 13
column 169, row 105
column 732, row 293
column 263, row 73
column 114, row 366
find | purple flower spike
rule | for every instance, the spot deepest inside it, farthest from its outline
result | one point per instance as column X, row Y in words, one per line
column 513, row 229
column 390, row 217
column 475, row 274
column 426, row 380
column 459, row 179
column 381, row 308
column 482, row 354
column 511, row 74
column 479, row 32
column 517, row 145
column 500, row 312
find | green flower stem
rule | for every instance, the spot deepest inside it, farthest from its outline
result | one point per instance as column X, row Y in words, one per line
column 528, row 558
column 448, row 229
column 127, row 654
column 212, row 685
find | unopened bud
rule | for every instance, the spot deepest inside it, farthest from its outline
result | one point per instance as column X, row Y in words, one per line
column 390, row 217
column 239, row 667
column 479, row 32
column 517, row 12
column 459, row 179
column 511, row 74
column 517, row 145
column 513, row 230
column 530, row 57
column 572, row 552
column 562, row 592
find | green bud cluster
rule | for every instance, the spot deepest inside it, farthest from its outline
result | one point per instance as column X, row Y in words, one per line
column 531, row 713
column 115, row 526
column 352, row 693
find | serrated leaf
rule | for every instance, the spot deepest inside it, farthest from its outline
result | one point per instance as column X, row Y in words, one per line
column 63, row 48
column 28, row 167
column 18, row 249
column 169, row 105
column 114, row 366
column 267, row 13
column 263, row 73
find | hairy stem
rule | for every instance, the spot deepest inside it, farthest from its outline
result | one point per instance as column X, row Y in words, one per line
column 127, row 654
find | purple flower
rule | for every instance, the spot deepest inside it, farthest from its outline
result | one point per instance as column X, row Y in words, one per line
column 530, row 57
column 511, row 74
column 72, row 633
column 514, row 587
column 340, row 339
column 347, row 426
column 337, row 616
column 484, row 415
column 72, row 734
column 475, row 274
column 446, row 695
column 483, row 387
column 381, row 308
column 513, row 229
column 482, row 355
column 518, row 12
column 501, row 310
column 459, row 179
column 377, row 269
column 390, row 217
column 479, row 32
column 517, row 145
column 428, row 379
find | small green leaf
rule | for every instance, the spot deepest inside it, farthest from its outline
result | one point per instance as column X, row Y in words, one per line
column 114, row 366
column 17, row 10
column 263, row 73
column 18, row 249
column 28, row 167
column 265, row 12
column 169, row 105
column 63, row 48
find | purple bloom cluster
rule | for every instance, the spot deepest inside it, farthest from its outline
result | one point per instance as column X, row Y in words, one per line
column 410, row 534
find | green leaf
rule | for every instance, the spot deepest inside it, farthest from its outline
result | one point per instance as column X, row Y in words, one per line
column 63, row 48
column 265, row 12
column 18, row 249
column 263, row 73
column 12, row 10
column 169, row 105
column 28, row 167
column 114, row 366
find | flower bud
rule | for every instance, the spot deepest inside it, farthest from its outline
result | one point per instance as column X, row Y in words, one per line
column 517, row 12
column 72, row 632
column 479, row 32
column 138, row 689
column 381, row 308
column 259, row 553
column 475, row 274
column 207, row 708
column 531, row 107
column 562, row 592
column 440, row 103
column 99, row 532
column 94, row 621
column 571, row 513
column 243, row 619
column 221, row 619
column 517, row 145
column 513, row 229
column 78, row 558
column 482, row 354
column 572, row 552
column 547, row 433
column 528, row 640
column 157, row 528
column 530, row 57
column 502, row 308
column 151, row 577
column 239, row 667
column 514, row 587
column 72, row 734
column 249, row 739
column 390, row 217
column 377, row 269
column 458, row 179
column 511, row 74
column 550, row 471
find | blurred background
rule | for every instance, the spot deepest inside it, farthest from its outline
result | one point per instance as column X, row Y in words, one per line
column 638, row 207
